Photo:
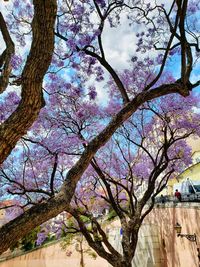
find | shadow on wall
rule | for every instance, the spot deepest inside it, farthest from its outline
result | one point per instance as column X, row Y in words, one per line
column 149, row 263
column 148, row 251
column 164, row 254
column 177, row 251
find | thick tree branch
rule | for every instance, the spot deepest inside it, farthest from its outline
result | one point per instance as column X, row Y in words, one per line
column 5, row 58
column 36, row 66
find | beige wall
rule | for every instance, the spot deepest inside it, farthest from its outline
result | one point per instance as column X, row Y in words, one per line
column 51, row 256
column 177, row 251
column 194, row 143
column 158, row 244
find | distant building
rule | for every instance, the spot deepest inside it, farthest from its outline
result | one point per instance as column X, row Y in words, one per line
column 189, row 177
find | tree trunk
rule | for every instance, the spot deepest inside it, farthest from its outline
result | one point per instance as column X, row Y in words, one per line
column 122, row 264
column 82, row 254
column 37, row 63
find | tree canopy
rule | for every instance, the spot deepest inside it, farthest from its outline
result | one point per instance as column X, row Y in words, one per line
column 127, row 174
column 73, row 100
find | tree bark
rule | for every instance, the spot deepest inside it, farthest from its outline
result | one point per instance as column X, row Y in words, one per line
column 122, row 264
column 35, row 68
column 5, row 58
column 82, row 264
column 19, row 227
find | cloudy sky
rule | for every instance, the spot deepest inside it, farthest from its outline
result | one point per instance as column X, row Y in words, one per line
column 119, row 45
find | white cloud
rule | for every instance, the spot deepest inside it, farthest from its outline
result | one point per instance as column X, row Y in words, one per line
column 119, row 44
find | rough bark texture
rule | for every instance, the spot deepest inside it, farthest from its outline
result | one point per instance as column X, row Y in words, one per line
column 6, row 56
column 36, row 66
column 19, row 227
column 123, row 264
column 35, row 216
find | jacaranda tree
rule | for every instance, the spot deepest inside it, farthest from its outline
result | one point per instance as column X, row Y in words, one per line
column 127, row 174
column 56, row 66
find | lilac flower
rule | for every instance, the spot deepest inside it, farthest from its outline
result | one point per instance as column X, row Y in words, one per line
column 148, row 5
column 68, row 86
column 40, row 238
column 97, row 33
column 102, row 3
column 16, row 3
column 159, row 59
column 75, row 28
column 193, row 8
column 99, row 78
column 85, row 40
column 71, row 44
column 92, row 94
column 78, row 10
column 16, row 61
column 80, row 114
column 134, row 59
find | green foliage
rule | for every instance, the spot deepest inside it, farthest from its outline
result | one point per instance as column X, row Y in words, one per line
column 111, row 215
column 15, row 246
column 49, row 238
column 67, row 240
column 85, row 219
column 29, row 241
column 91, row 253
column 77, row 240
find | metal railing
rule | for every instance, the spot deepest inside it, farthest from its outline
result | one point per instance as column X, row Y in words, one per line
column 184, row 198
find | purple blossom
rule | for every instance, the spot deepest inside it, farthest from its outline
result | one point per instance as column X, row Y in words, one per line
column 92, row 93
column 78, row 10
column 75, row 28
column 41, row 237
column 71, row 44
column 134, row 59
column 80, row 114
column 102, row 3
column 148, row 5
column 85, row 40
column 16, row 61
column 159, row 59
column 68, row 86
column 16, row 3
column 97, row 33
